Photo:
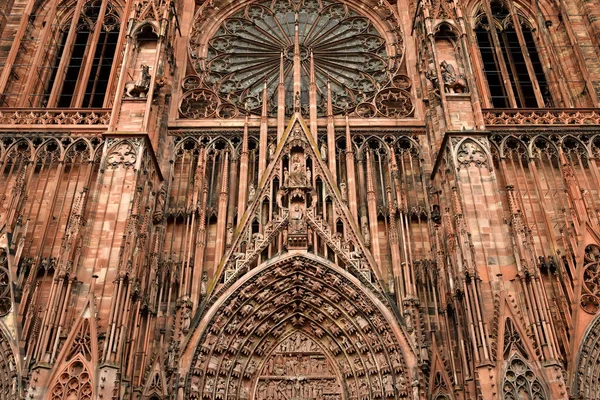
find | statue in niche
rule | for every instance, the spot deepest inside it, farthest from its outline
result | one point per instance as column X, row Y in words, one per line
column 286, row 177
column 229, row 234
column 271, row 151
column 186, row 318
column 159, row 209
column 251, row 192
column 431, row 76
column 297, row 213
column 365, row 232
column 297, row 174
column 308, row 177
column 323, row 151
column 313, row 199
column 344, row 191
column 279, row 198
column 140, row 87
column 453, row 82
column 297, row 102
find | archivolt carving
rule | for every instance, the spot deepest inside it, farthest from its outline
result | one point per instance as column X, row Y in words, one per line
column 8, row 370
column 585, row 382
column 5, row 296
column 259, row 340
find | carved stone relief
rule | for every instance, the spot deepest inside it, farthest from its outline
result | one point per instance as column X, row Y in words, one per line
column 285, row 332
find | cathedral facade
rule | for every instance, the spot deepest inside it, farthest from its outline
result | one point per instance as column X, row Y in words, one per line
column 299, row 199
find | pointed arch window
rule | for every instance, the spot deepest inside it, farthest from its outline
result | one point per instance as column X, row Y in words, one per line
column 78, row 65
column 510, row 59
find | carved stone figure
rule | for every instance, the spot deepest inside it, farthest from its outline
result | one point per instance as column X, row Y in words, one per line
column 271, row 151
column 251, row 193
column 185, row 319
column 141, row 86
column 343, row 191
column 365, row 232
column 453, row 82
column 159, row 209
column 286, row 177
column 229, row 234
column 323, row 151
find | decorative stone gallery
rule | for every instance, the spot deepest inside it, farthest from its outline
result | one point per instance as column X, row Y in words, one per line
column 299, row 200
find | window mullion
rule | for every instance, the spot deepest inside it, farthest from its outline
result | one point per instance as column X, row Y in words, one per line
column 118, row 59
column 89, row 58
column 536, row 87
column 506, row 50
column 97, row 73
column 499, row 57
column 37, row 59
column 66, row 56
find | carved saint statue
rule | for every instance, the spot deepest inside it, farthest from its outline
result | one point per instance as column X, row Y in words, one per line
column 271, row 151
column 159, row 209
column 279, row 198
column 323, row 151
column 298, row 174
column 308, row 177
column 297, row 102
column 344, row 191
column 186, row 315
column 286, row 177
column 297, row 212
column 251, row 192
column 365, row 232
column 229, row 233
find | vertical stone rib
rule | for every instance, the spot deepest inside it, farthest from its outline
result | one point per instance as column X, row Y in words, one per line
column 243, row 189
column 222, row 210
column 331, row 134
column 351, row 174
column 262, row 153
column 372, row 210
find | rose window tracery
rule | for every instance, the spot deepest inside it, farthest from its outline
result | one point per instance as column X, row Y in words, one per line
column 251, row 46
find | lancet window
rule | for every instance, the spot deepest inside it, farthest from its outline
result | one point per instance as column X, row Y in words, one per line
column 72, row 62
column 510, row 60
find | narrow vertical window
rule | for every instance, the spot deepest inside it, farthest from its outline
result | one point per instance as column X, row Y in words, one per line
column 515, row 77
column 81, row 64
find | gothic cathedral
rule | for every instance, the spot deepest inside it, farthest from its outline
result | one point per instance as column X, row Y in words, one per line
column 299, row 199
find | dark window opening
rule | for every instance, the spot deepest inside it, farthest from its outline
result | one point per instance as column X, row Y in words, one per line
column 491, row 68
column 73, row 69
column 85, row 78
column 522, row 80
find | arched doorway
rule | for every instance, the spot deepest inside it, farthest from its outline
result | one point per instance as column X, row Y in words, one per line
column 301, row 327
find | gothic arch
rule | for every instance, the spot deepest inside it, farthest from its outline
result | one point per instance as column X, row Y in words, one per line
column 521, row 382
column 587, row 367
column 359, row 336
column 9, row 375
column 469, row 151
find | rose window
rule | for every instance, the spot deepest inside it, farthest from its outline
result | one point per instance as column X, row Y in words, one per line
column 250, row 47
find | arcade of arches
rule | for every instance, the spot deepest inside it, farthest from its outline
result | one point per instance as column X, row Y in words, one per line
column 299, row 199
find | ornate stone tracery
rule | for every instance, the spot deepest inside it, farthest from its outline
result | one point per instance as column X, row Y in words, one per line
column 8, row 370
column 325, row 313
column 590, row 298
column 255, row 45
